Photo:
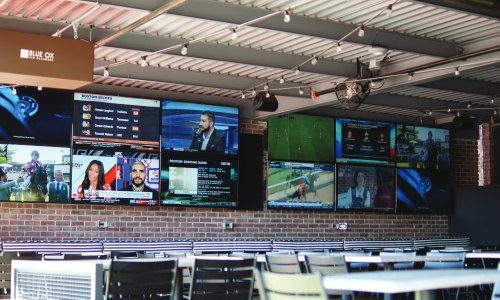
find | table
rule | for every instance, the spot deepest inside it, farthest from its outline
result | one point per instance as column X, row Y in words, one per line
column 389, row 261
column 422, row 282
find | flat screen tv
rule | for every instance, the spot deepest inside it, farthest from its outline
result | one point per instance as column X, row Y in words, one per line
column 365, row 142
column 421, row 190
column 194, row 179
column 115, row 180
column 34, row 117
column 423, row 147
column 31, row 173
column 197, row 127
column 363, row 187
column 300, row 185
column 301, row 138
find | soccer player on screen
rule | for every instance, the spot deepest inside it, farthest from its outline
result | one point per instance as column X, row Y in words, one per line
column 206, row 137
column 138, row 179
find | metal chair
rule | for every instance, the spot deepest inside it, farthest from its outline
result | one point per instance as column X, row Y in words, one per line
column 142, row 278
column 400, row 266
column 290, row 286
column 5, row 267
column 220, row 279
column 328, row 265
column 287, row 264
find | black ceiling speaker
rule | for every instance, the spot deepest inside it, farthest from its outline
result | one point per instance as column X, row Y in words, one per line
column 263, row 103
column 352, row 93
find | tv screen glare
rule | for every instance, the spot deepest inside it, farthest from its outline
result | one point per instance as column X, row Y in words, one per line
column 113, row 121
column 301, row 138
column 300, row 185
column 191, row 179
column 34, row 117
column 365, row 187
column 115, row 180
column 35, row 173
column 422, row 190
column 423, row 147
column 186, row 126
column 365, row 142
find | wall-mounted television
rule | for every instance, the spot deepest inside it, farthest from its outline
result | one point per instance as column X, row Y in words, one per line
column 34, row 117
column 423, row 147
column 297, row 137
column 361, row 141
column 199, row 127
column 31, row 172
column 421, row 190
column 363, row 187
column 199, row 180
column 300, row 185
column 115, row 180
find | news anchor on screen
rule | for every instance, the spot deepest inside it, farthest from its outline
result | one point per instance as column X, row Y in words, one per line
column 138, row 178
column 206, row 137
column 93, row 181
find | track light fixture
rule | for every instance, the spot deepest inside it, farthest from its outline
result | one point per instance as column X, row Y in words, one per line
column 286, row 17
column 106, row 72
column 314, row 61
column 388, row 11
column 234, row 35
column 361, row 32
column 184, row 49
column 143, row 61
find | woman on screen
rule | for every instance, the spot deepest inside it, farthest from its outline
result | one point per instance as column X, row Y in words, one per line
column 93, row 181
column 358, row 195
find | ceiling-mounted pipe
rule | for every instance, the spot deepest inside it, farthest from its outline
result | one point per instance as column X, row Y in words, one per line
column 141, row 21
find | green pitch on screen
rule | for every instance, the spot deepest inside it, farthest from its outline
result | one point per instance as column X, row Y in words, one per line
column 301, row 138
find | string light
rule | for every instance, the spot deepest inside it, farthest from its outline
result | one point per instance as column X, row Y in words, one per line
column 314, row 61
column 372, row 84
column 267, row 94
column 282, row 79
column 410, row 76
column 449, row 109
column 39, row 88
column 266, row 87
column 242, row 95
column 389, row 10
column 361, row 32
column 234, row 35
column 14, row 91
column 458, row 114
column 492, row 101
column 106, row 72
column 338, row 47
column 495, row 112
column 457, row 72
column 286, row 17
column 254, row 92
column 301, row 91
column 297, row 71
column 184, row 49
column 430, row 113
column 469, row 104
column 143, row 62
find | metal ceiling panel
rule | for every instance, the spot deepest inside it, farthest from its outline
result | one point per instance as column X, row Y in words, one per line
column 444, row 95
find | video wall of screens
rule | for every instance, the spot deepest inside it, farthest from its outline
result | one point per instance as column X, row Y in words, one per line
column 365, row 187
column 294, row 185
column 29, row 173
column 34, row 117
column 365, row 142
column 116, row 154
column 199, row 163
column 297, row 137
column 421, row 190
column 423, row 147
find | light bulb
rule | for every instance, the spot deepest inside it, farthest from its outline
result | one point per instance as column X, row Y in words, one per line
column 297, row 71
column 449, row 109
column 495, row 112
column 430, row 112
column 254, row 92
column 410, row 76
column 234, row 35
column 266, row 87
column 39, row 88
column 457, row 72
column 469, row 105
column 361, row 32
column 301, row 91
column 268, row 95
column 242, row 95
column 286, row 17
column 458, row 114
column 184, row 49
column 389, row 10
column 14, row 91
column 492, row 101
column 106, row 72
column 372, row 84
column 282, row 80
column 143, row 61
column 314, row 61
column 339, row 48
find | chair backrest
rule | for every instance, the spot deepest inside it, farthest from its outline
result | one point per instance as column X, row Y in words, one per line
column 220, row 279
column 243, row 254
column 5, row 267
column 124, row 254
column 278, row 263
column 83, row 257
column 356, row 266
column 325, row 264
column 275, row 286
column 445, row 264
column 496, row 289
column 398, row 266
column 142, row 278
column 29, row 256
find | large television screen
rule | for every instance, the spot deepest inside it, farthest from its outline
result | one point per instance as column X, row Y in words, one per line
column 115, row 180
column 365, row 142
column 423, row 147
column 423, row 191
column 34, row 173
column 199, row 127
column 112, row 121
column 300, row 185
column 365, row 187
column 301, row 138
column 35, row 117
column 194, row 179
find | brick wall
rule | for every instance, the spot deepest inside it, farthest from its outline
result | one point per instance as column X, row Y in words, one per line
column 23, row 221
column 464, row 155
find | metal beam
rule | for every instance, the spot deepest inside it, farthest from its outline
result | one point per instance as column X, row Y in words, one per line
column 485, row 8
column 465, row 86
column 236, row 14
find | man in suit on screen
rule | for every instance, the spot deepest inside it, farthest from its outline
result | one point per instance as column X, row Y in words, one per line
column 206, row 137
column 138, row 180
